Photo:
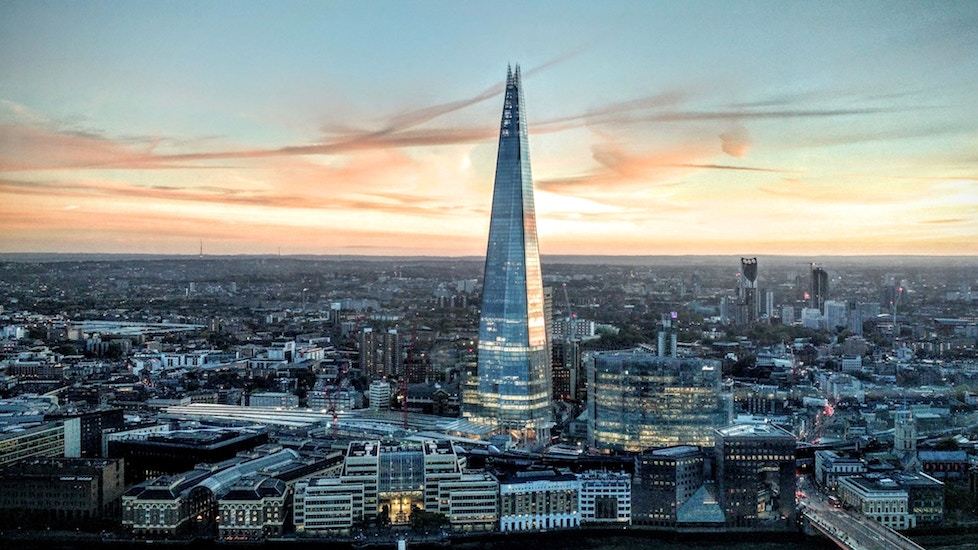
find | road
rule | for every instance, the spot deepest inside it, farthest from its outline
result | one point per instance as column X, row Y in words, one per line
column 850, row 529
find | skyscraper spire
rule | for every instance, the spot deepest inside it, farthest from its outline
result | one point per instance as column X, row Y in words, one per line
column 513, row 367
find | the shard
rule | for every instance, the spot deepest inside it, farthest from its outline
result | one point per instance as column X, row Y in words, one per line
column 513, row 367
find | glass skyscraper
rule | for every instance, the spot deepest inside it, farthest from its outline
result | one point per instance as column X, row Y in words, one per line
column 513, row 367
column 638, row 401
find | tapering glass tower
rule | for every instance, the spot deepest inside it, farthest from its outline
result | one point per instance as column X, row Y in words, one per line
column 513, row 375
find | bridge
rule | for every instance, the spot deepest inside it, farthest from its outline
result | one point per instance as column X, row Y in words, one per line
column 851, row 531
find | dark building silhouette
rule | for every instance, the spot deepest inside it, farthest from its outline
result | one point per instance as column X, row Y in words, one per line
column 749, row 304
column 61, row 492
column 172, row 453
column 756, row 472
column 820, row 288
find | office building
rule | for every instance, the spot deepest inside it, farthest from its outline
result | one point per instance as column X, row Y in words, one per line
column 878, row 497
column 379, row 395
column 756, row 471
column 513, row 366
column 92, row 424
column 637, row 401
column 441, row 462
column 666, row 479
column 536, row 500
column 328, row 505
column 819, row 288
column 605, row 498
column 749, row 304
column 470, row 501
column 58, row 438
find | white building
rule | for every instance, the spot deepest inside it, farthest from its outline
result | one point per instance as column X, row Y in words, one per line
column 879, row 498
column 534, row 500
column 471, row 502
column 380, row 395
column 830, row 466
column 605, row 497
column 327, row 504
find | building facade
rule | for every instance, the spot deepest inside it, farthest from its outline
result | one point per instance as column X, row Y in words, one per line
column 534, row 501
column 638, row 401
column 69, row 492
column 605, row 498
column 59, row 438
column 666, row 479
column 756, row 471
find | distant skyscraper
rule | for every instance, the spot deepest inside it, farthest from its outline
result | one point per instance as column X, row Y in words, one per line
column 380, row 354
column 820, row 288
column 748, row 290
column 548, row 323
column 368, row 352
column 513, row 364
column 769, row 304
column 666, row 343
column 393, row 363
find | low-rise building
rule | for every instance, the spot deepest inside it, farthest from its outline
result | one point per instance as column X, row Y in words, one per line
column 605, row 498
column 252, row 508
column 535, row 500
column 328, row 505
column 273, row 399
column 67, row 492
column 830, row 466
column 944, row 464
column 470, row 502
column 878, row 497
column 170, row 505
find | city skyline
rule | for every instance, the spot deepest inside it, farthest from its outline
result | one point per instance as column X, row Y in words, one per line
column 343, row 129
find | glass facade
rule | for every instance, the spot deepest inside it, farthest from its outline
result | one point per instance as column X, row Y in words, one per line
column 513, row 366
column 637, row 401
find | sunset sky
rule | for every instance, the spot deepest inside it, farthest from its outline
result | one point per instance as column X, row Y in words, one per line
column 370, row 127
